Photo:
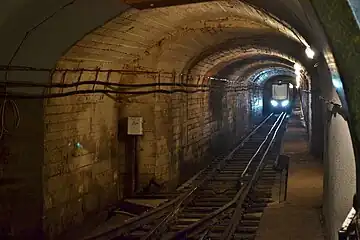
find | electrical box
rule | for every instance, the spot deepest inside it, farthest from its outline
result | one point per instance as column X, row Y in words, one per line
column 135, row 126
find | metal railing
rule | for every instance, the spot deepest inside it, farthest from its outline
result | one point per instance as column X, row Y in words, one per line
column 350, row 227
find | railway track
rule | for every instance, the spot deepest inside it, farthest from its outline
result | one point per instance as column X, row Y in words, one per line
column 222, row 201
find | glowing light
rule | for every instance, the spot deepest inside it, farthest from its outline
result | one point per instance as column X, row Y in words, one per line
column 78, row 145
column 309, row 53
column 274, row 103
column 298, row 69
column 336, row 81
column 291, row 86
column 285, row 103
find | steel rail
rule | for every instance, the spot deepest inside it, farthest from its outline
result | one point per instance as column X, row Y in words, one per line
column 239, row 209
column 210, row 175
column 181, row 234
column 147, row 217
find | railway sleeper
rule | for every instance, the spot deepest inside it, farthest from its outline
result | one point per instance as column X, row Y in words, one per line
column 214, row 236
column 200, row 209
column 254, row 210
column 252, row 216
column 214, row 199
column 197, row 215
column 210, row 204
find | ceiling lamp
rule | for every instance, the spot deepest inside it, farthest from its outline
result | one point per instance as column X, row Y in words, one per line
column 309, row 53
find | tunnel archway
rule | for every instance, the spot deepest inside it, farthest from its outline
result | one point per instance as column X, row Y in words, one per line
column 214, row 39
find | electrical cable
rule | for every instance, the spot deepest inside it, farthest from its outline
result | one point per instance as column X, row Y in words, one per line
column 15, row 109
column 106, row 84
column 103, row 91
column 94, row 82
column 13, row 104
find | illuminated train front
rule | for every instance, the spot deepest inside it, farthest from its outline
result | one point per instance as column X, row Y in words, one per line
column 281, row 97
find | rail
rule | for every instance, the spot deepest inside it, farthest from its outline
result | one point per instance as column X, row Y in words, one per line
column 159, row 211
column 190, row 192
column 237, row 214
column 241, row 194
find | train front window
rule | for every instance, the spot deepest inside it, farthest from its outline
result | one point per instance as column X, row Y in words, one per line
column 279, row 92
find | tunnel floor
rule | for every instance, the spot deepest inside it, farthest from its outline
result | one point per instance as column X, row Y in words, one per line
column 299, row 217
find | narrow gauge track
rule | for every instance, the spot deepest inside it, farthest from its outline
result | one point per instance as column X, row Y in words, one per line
column 219, row 193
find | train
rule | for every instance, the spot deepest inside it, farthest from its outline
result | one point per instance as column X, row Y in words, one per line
column 282, row 97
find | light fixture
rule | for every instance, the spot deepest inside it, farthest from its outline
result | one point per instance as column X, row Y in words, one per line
column 309, row 53
column 297, row 67
column 336, row 81
column 285, row 103
column 291, row 86
column 274, row 103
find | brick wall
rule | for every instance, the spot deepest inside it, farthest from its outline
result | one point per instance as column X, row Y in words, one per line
column 180, row 131
column 81, row 153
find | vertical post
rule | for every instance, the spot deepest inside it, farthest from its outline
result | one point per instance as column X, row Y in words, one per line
column 286, row 180
column 283, row 167
column 135, row 166
column 134, row 129
column 280, row 186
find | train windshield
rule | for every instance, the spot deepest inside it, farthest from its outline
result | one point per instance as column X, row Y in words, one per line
column 279, row 91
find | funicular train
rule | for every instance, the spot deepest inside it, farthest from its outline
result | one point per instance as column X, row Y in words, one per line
column 282, row 97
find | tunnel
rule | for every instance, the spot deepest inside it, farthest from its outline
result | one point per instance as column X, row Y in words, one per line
column 194, row 73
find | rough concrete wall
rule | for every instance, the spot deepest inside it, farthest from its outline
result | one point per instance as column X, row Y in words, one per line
column 339, row 175
column 343, row 35
column 338, row 157
column 305, row 96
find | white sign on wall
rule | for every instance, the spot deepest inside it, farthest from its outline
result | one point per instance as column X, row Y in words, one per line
column 135, row 126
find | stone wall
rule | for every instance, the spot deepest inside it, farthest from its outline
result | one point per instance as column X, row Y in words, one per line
column 87, row 158
column 81, row 154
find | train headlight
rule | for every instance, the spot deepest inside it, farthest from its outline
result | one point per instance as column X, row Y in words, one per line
column 274, row 103
column 285, row 103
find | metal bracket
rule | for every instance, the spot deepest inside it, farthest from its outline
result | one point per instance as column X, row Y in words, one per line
column 338, row 109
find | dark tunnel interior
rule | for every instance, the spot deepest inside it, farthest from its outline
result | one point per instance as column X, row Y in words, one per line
column 196, row 76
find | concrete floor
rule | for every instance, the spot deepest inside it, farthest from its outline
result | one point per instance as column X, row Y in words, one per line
column 299, row 217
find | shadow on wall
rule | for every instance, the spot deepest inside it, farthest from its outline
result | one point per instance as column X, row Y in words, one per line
column 126, row 160
column 256, row 102
column 217, row 103
column 21, row 161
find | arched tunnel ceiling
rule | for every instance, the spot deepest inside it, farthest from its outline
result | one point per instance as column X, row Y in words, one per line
column 223, row 58
column 244, row 72
column 183, row 35
column 178, row 35
column 256, row 60
column 261, row 76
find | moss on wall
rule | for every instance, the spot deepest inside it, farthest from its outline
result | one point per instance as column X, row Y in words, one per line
column 344, row 38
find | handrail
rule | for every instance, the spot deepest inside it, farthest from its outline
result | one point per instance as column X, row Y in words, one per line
column 229, row 204
column 136, row 220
